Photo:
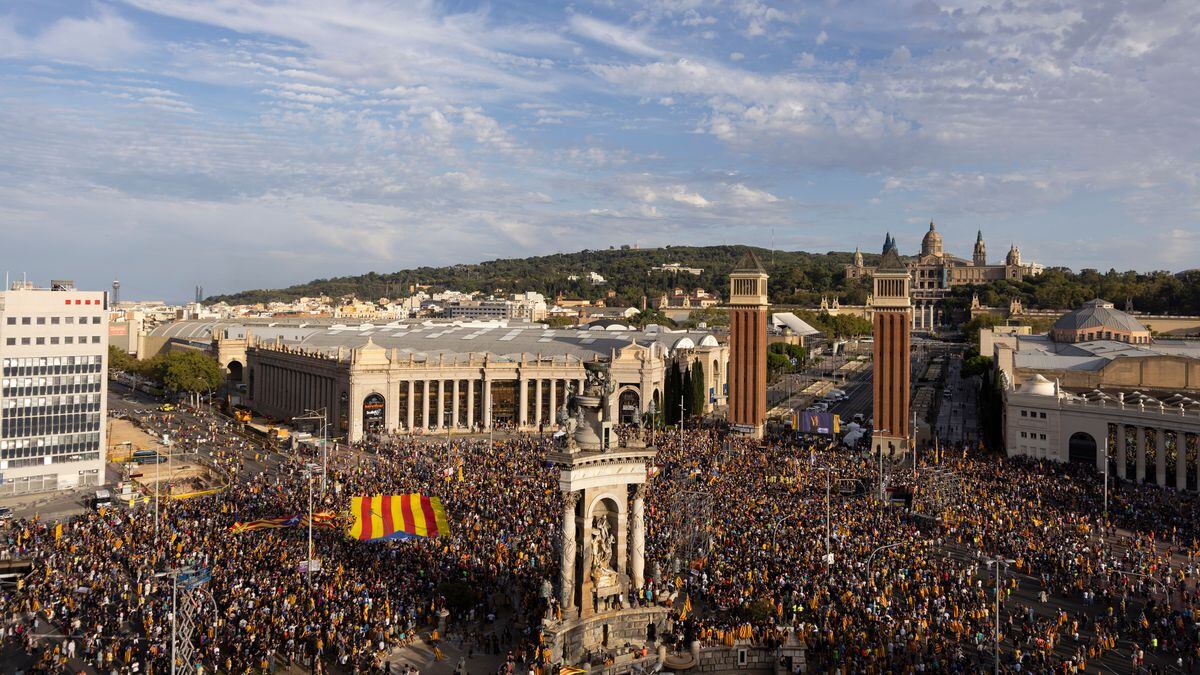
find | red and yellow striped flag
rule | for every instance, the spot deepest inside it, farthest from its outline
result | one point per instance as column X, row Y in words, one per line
column 381, row 517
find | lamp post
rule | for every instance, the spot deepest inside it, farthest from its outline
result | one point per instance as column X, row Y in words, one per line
column 996, row 629
column 321, row 415
column 881, row 548
column 879, row 450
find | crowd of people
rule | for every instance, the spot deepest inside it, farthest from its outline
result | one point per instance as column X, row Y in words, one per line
column 742, row 542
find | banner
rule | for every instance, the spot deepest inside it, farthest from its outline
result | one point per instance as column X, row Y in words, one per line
column 814, row 422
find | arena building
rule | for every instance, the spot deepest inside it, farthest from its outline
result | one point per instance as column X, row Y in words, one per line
column 1104, row 389
column 445, row 376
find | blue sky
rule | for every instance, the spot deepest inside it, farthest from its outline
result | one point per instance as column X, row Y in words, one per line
column 257, row 143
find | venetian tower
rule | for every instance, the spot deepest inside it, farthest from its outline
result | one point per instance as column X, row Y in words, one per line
column 748, row 346
column 892, row 322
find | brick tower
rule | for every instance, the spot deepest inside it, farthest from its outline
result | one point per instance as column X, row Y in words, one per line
column 748, row 346
column 893, row 318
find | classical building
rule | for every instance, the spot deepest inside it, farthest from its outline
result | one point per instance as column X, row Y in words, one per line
column 890, row 380
column 934, row 272
column 1097, row 386
column 446, row 376
column 1146, row 438
column 679, row 298
column 748, row 346
column 1106, row 361
column 54, row 351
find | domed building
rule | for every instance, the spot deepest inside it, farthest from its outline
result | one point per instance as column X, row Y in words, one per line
column 934, row 272
column 1098, row 320
column 931, row 244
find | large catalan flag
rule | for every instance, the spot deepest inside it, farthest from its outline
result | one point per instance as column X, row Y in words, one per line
column 382, row 517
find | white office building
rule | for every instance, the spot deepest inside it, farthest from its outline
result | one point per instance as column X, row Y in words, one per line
column 54, row 353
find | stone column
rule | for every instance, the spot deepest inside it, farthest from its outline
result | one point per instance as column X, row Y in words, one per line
column 1121, row 451
column 567, row 561
column 454, row 406
column 487, row 403
column 537, row 405
column 470, row 403
column 412, row 398
column 553, row 401
column 441, row 404
column 425, row 405
column 523, row 401
column 637, row 537
column 1160, row 457
column 1180, row 460
column 1141, row 454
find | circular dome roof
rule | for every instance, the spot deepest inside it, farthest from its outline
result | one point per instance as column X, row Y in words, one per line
column 1038, row 385
column 1098, row 314
column 932, row 243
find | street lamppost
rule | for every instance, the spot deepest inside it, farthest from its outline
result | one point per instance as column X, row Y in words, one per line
column 881, row 548
column 309, row 469
column 997, row 562
column 320, row 415
column 875, row 441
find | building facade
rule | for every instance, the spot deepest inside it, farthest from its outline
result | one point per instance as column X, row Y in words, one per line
column 440, row 377
column 934, row 272
column 1145, row 439
column 891, row 377
column 748, row 346
column 54, row 354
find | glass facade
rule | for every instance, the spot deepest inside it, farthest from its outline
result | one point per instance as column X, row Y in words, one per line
column 50, row 406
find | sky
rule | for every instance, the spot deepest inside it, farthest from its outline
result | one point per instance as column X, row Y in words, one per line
column 258, row 143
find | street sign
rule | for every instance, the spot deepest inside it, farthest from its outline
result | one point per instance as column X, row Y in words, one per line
column 304, row 565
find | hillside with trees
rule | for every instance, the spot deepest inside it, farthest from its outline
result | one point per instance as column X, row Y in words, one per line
column 797, row 278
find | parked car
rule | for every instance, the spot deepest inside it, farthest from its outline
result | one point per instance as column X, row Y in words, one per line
column 6, row 513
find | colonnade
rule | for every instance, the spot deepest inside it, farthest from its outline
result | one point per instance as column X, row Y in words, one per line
column 1159, row 455
column 927, row 314
column 437, row 403
column 631, row 557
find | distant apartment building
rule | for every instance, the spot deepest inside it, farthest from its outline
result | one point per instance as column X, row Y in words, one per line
column 54, row 353
column 527, row 306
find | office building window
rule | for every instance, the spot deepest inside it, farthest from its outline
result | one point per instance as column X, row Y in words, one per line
column 54, row 320
column 41, row 321
column 12, row 321
column 24, row 321
column 69, row 340
column 24, row 341
column 53, row 340
column 95, row 319
column 70, row 319
column 95, row 339
column 11, row 341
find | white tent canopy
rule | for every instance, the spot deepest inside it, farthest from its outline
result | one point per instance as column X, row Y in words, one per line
column 794, row 323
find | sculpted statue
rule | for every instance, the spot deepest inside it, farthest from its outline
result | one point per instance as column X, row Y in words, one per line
column 602, row 548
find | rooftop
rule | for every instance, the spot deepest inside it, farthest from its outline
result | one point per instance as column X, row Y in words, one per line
column 425, row 339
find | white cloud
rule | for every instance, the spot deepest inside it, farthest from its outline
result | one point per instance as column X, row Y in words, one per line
column 736, row 56
column 751, row 197
column 821, row 38
column 100, row 40
column 612, row 35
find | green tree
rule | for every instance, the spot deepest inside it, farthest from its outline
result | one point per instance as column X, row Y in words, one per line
column 971, row 328
column 190, row 371
column 118, row 359
column 685, row 392
column 671, row 392
column 699, row 393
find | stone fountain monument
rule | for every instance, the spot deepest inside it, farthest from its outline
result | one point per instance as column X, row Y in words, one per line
column 603, row 531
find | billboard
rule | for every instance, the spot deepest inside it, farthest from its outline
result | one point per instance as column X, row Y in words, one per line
column 814, row 422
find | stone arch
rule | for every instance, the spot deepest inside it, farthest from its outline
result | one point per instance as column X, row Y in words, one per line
column 236, row 370
column 629, row 405
column 1082, row 447
column 374, row 412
